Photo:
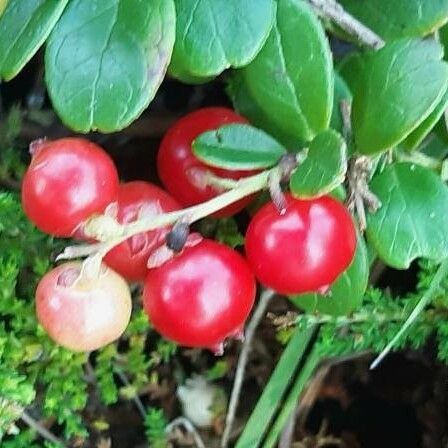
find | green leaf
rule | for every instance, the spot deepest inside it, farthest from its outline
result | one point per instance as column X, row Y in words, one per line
column 275, row 389
column 339, row 193
column 435, row 144
column 105, row 60
column 324, row 167
column 185, row 77
column 350, row 68
column 212, row 35
column 155, row 428
column 413, row 219
column 347, row 291
column 244, row 103
column 237, row 147
column 227, row 232
column 441, row 274
column 414, row 139
column 3, row 5
column 341, row 93
column 293, row 396
column 24, row 26
column 443, row 37
column 291, row 79
column 402, row 84
column 399, row 18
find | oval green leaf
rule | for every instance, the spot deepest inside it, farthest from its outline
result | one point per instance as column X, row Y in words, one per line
column 413, row 219
column 181, row 75
column 350, row 68
column 436, row 144
column 324, row 167
column 291, row 79
column 246, row 106
column 24, row 26
column 346, row 293
column 443, row 37
column 105, row 60
column 212, row 35
column 402, row 84
column 3, row 4
column 238, row 147
column 413, row 140
column 399, row 18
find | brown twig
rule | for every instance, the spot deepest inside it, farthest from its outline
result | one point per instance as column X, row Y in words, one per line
column 332, row 10
column 359, row 193
column 358, row 174
column 346, row 112
column 136, row 398
column 41, row 430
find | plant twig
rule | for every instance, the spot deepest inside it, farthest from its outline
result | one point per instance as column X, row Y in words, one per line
column 41, row 430
column 244, row 188
column 309, row 320
column 259, row 312
column 441, row 274
column 359, row 193
column 332, row 10
column 346, row 112
column 136, row 398
column 182, row 421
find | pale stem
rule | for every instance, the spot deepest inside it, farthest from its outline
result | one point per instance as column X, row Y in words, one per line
column 136, row 398
column 420, row 159
column 258, row 314
column 220, row 182
column 245, row 187
column 41, row 430
column 332, row 10
column 182, row 421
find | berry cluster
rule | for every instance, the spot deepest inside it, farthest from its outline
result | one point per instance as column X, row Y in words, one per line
column 197, row 292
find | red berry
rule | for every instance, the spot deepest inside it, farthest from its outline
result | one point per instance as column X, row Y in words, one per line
column 136, row 199
column 201, row 296
column 182, row 173
column 80, row 313
column 67, row 181
column 303, row 250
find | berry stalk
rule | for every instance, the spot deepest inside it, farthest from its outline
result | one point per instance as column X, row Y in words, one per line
column 118, row 233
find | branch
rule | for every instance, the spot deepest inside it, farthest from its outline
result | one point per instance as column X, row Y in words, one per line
column 40, row 429
column 182, row 421
column 332, row 10
column 260, row 310
column 136, row 398
column 358, row 176
column 245, row 187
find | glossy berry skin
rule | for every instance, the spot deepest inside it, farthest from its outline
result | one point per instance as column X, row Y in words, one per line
column 136, row 199
column 83, row 314
column 67, row 181
column 182, row 173
column 303, row 250
column 201, row 296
